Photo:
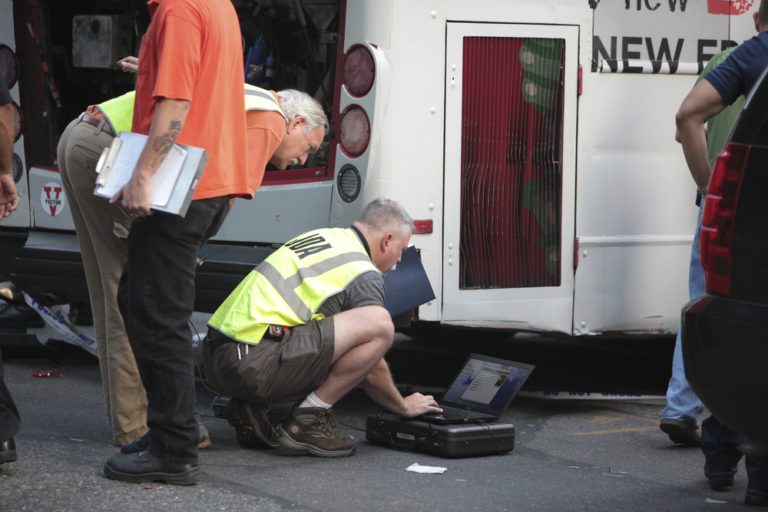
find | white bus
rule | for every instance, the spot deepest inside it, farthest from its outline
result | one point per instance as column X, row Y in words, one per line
column 531, row 140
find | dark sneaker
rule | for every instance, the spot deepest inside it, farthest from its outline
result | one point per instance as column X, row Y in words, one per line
column 311, row 430
column 146, row 467
column 756, row 497
column 681, row 431
column 252, row 425
column 7, row 451
column 719, row 479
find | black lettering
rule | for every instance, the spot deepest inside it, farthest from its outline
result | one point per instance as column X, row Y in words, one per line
column 626, row 54
column 303, row 253
column 599, row 50
column 664, row 54
column 308, row 245
column 673, row 4
column 727, row 43
column 303, row 242
column 702, row 57
column 648, row 5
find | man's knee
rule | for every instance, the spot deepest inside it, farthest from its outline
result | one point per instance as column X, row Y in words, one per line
column 383, row 324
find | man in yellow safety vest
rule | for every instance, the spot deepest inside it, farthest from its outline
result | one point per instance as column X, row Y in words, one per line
column 308, row 324
column 282, row 129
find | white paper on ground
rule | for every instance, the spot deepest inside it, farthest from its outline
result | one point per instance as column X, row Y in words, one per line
column 418, row 468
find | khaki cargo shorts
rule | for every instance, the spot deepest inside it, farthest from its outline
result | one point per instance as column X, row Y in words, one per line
column 271, row 371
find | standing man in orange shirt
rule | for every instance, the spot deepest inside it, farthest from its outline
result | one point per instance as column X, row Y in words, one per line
column 189, row 90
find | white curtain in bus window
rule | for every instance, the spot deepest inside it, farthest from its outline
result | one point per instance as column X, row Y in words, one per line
column 511, row 175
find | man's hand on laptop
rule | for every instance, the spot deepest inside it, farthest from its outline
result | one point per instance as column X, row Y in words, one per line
column 418, row 404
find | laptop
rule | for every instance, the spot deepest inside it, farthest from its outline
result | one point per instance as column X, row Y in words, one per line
column 481, row 392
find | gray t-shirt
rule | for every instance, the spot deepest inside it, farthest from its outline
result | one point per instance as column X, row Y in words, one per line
column 367, row 289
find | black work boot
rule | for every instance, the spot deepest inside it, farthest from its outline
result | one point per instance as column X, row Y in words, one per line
column 311, row 429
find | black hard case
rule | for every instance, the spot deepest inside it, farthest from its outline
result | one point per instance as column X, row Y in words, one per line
column 459, row 440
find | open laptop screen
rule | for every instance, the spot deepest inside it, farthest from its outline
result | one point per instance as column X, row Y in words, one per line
column 487, row 384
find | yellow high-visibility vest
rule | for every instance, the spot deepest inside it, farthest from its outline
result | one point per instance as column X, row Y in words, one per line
column 119, row 112
column 291, row 284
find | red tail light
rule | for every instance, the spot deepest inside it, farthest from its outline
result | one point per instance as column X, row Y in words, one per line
column 359, row 70
column 355, row 131
column 718, row 219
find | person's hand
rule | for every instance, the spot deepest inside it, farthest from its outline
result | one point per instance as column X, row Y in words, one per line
column 129, row 64
column 9, row 198
column 417, row 404
column 135, row 196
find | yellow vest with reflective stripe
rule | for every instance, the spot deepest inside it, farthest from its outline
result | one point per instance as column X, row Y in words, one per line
column 261, row 99
column 293, row 282
column 119, row 112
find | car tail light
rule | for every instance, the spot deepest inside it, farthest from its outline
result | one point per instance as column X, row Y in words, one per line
column 355, row 131
column 359, row 70
column 718, row 219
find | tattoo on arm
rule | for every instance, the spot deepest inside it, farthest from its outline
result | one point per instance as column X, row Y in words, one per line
column 162, row 145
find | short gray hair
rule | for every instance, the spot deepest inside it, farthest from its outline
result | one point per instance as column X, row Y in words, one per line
column 382, row 213
column 296, row 103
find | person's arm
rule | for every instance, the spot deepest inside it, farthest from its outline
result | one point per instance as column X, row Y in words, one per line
column 9, row 199
column 167, row 122
column 701, row 103
column 382, row 390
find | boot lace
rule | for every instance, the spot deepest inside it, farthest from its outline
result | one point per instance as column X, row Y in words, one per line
column 326, row 423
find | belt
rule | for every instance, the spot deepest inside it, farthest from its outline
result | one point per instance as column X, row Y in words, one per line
column 96, row 121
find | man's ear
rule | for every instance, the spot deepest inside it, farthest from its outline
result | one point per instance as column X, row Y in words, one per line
column 298, row 122
column 385, row 241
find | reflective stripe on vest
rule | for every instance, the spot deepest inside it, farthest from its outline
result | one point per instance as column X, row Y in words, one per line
column 292, row 283
column 261, row 99
column 119, row 112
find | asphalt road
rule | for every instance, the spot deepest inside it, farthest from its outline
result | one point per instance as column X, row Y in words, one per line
column 570, row 455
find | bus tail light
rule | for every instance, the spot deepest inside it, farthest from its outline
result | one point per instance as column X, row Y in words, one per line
column 718, row 219
column 355, row 131
column 359, row 70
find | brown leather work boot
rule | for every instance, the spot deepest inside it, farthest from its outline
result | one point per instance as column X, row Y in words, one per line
column 252, row 425
column 311, row 429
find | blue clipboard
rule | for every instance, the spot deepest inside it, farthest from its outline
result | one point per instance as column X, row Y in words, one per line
column 407, row 285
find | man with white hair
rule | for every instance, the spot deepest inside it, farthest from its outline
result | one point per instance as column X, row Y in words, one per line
column 308, row 324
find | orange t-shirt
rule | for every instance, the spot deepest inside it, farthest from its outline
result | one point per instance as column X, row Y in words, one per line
column 266, row 130
column 192, row 51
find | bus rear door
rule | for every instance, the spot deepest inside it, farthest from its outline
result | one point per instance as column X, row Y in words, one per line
column 510, row 167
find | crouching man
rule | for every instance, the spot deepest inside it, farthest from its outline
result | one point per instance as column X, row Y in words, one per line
column 308, row 325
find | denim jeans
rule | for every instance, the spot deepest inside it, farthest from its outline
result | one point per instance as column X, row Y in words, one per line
column 682, row 402
column 156, row 296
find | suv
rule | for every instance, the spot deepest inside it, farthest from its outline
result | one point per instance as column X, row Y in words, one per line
column 725, row 331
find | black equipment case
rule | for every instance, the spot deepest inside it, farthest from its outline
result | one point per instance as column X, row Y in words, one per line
column 457, row 440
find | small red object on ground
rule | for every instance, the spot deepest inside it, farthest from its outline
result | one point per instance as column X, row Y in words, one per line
column 47, row 373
